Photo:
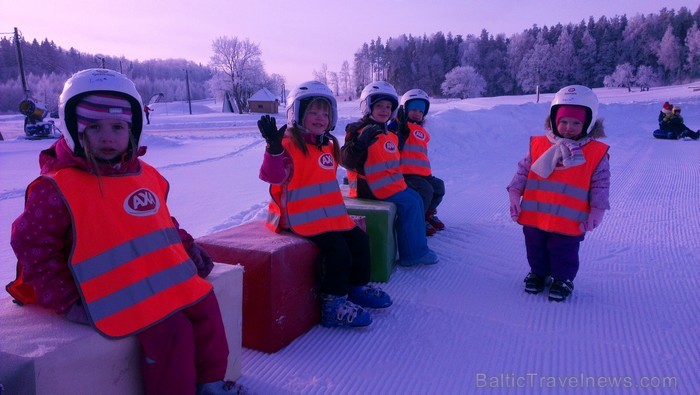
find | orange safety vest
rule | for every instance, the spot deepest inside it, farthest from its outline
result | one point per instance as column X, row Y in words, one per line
column 127, row 259
column 559, row 203
column 414, row 154
column 314, row 202
column 381, row 169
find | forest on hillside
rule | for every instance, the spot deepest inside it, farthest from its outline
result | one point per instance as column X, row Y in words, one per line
column 638, row 51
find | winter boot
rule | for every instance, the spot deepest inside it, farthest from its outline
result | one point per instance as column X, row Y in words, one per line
column 369, row 296
column 430, row 258
column 338, row 311
column 534, row 284
column 433, row 220
column 221, row 387
column 560, row 290
column 429, row 230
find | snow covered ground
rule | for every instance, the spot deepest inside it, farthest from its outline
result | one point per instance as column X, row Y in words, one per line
column 465, row 326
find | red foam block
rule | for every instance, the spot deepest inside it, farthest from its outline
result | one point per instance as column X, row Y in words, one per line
column 280, row 302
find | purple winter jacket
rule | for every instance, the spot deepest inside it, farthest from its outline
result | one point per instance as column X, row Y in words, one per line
column 42, row 236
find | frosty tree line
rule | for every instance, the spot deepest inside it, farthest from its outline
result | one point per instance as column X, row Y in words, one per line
column 639, row 51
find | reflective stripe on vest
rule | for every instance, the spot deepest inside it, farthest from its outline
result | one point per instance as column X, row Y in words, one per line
column 382, row 170
column 414, row 155
column 127, row 258
column 314, row 203
column 559, row 203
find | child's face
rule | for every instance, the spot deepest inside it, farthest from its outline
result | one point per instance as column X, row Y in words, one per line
column 107, row 139
column 415, row 115
column 381, row 112
column 569, row 128
column 317, row 118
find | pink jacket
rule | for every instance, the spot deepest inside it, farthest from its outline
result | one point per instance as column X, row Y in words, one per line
column 42, row 236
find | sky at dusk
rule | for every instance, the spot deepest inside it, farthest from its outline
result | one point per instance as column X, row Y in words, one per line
column 296, row 38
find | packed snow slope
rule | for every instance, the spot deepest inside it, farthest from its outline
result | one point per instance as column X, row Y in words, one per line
column 465, row 326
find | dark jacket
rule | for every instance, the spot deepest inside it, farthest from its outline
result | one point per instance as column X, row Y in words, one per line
column 353, row 157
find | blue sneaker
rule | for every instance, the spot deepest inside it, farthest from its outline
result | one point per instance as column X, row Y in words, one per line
column 369, row 296
column 338, row 311
column 430, row 258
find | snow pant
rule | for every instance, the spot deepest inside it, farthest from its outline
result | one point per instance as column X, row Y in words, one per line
column 148, row 118
column 410, row 224
column 693, row 135
column 552, row 254
column 345, row 260
column 185, row 349
column 430, row 188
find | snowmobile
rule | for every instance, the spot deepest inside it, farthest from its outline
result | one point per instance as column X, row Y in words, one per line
column 34, row 125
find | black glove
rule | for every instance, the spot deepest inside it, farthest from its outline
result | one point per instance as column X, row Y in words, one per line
column 201, row 259
column 368, row 137
column 402, row 119
column 268, row 129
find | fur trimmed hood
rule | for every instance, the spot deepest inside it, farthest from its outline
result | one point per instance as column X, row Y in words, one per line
column 597, row 131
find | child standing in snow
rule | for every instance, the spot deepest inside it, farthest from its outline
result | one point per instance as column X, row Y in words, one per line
column 372, row 158
column 300, row 163
column 415, row 164
column 96, row 243
column 564, row 183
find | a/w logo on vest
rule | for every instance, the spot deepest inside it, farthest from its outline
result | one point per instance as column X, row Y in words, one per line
column 326, row 161
column 389, row 146
column 419, row 135
column 141, row 203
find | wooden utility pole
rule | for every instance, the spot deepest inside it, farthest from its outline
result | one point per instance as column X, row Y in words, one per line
column 187, row 80
column 21, row 65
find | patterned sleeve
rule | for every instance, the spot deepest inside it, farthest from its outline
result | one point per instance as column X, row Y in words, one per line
column 42, row 240
column 520, row 177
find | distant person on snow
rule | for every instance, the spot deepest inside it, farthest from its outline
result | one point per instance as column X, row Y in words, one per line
column 372, row 158
column 672, row 123
column 415, row 164
column 300, row 163
column 96, row 243
column 147, row 110
column 564, row 184
column 666, row 110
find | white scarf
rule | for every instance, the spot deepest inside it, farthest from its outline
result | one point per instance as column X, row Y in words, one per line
column 563, row 151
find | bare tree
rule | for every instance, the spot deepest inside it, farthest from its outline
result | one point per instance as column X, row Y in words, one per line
column 692, row 42
column 240, row 61
column 333, row 82
column 463, row 82
column 344, row 78
column 322, row 75
column 622, row 76
column 669, row 52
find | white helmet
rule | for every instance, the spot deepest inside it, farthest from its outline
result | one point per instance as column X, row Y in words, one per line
column 575, row 95
column 416, row 94
column 89, row 81
column 302, row 95
column 378, row 90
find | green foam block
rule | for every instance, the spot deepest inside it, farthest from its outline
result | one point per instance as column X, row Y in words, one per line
column 379, row 219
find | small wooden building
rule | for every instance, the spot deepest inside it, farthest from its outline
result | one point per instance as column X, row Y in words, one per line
column 263, row 101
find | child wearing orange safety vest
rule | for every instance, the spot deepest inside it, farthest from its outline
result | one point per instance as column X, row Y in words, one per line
column 371, row 156
column 96, row 243
column 415, row 164
column 564, row 184
column 300, row 163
